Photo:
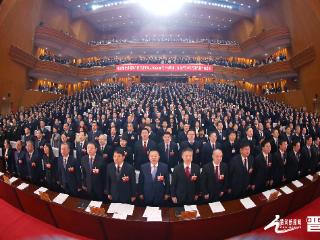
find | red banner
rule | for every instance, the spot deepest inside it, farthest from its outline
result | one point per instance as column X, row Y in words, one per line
column 164, row 68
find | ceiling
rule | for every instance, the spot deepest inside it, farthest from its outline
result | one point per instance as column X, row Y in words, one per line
column 112, row 16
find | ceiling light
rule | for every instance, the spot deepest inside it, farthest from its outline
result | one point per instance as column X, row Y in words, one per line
column 162, row 8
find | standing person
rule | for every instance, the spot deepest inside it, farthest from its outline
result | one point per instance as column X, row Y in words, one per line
column 93, row 173
column 185, row 185
column 120, row 180
column 154, row 185
column 50, row 166
column 214, row 178
column 69, row 174
column 241, row 172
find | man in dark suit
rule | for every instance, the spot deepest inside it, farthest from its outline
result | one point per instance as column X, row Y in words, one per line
column 252, row 141
column 93, row 173
column 182, row 135
column 154, row 184
column 168, row 150
column 120, row 180
column 293, row 170
column 208, row 148
column 262, row 178
column 214, row 178
column 81, row 146
column 185, row 185
column 241, row 172
column 113, row 139
column 274, row 140
column 280, row 163
column 39, row 142
column 93, row 135
column 142, row 148
column 34, row 164
column 194, row 145
column 231, row 147
column 308, row 165
column 69, row 134
column 69, row 173
column 20, row 157
column 104, row 150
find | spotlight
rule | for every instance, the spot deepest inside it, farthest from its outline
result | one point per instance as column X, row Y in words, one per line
column 163, row 7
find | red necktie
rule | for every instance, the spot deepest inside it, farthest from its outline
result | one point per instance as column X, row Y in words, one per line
column 145, row 146
column 187, row 171
column 217, row 172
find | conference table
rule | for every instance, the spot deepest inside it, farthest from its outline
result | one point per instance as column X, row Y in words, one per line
column 234, row 220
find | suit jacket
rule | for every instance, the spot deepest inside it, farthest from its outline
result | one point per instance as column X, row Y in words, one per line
column 306, row 158
column 279, row 167
column 106, row 153
column 173, row 158
column 94, row 179
column 34, row 167
column 206, row 152
column 9, row 159
column 22, row 168
column 92, row 135
column 230, row 150
column 153, row 190
column 294, row 166
column 140, row 154
column 129, row 154
column 113, row 143
column 184, row 188
column 196, row 147
column 240, row 177
column 69, row 177
column 209, row 182
column 262, row 171
column 50, row 172
column 120, row 188
column 81, row 151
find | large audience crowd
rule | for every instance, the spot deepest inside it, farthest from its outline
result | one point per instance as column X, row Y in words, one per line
column 219, row 61
column 163, row 38
column 187, row 145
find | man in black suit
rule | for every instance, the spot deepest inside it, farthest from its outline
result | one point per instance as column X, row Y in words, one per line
column 308, row 165
column 241, row 172
column 274, row 140
column 69, row 134
column 81, row 146
column 69, row 173
column 20, row 157
column 131, row 135
column 230, row 148
column 168, row 151
column 142, row 148
column 221, row 134
column 293, row 170
column 185, row 185
column 194, row 145
column 262, row 166
column 34, row 164
column 104, row 150
column 120, row 180
column 208, row 148
column 93, row 173
column 154, row 184
column 252, row 141
column 113, row 139
column 39, row 142
column 182, row 135
column 214, row 178
column 93, row 135
column 279, row 163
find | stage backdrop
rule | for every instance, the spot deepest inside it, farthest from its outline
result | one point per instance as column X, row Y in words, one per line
column 169, row 68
